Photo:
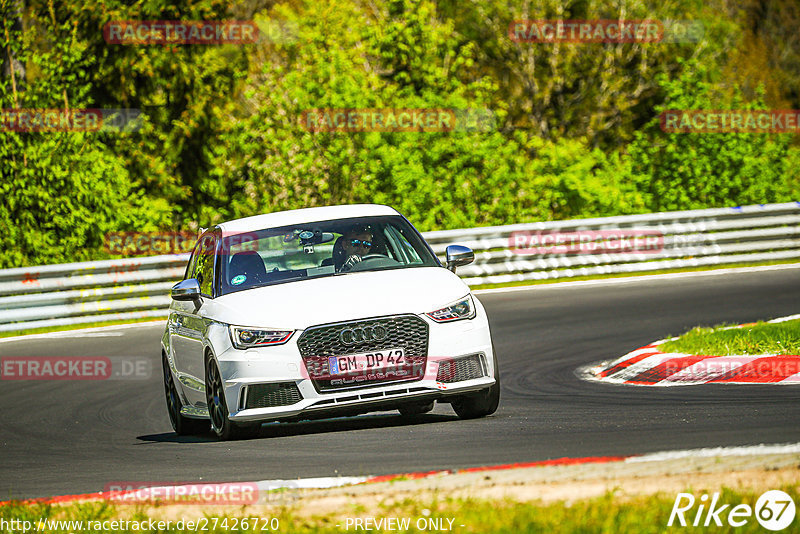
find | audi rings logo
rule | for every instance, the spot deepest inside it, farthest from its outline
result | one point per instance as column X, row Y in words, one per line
column 359, row 334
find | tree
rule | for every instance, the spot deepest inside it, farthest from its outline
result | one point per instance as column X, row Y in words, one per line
column 678, row 171
column 61, row 191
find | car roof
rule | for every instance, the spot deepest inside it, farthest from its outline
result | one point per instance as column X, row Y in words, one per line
column 305, row 215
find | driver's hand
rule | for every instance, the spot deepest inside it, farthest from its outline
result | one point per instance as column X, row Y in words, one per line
column 350, row 262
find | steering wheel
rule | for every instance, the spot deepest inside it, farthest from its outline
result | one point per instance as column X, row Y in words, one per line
column 373, row 256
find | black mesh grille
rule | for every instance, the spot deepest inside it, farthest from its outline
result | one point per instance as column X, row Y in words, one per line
column 408, row 332
column 460, row 369
column 269, row 395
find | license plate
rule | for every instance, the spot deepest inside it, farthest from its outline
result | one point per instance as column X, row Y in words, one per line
column 367, row 361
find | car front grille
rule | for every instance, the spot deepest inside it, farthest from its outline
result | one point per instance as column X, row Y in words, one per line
column 408, row 332
column 460, row 369
column 271, row 395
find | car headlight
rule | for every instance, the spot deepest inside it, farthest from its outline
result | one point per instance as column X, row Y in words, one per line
column 246, row 338
column 463, row 308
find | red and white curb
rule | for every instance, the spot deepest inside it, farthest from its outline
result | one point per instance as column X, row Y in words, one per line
column 648, row 366
column 266, row 489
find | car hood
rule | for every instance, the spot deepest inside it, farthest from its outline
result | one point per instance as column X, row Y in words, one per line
column 298, row 305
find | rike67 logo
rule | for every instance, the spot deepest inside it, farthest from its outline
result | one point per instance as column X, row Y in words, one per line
column 774, row 510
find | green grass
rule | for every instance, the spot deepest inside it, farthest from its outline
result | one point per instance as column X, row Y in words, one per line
column 761, row 338
column 607, row 514
column 631, row 275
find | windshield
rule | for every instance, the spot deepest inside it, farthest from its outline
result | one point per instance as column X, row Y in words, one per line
column 317, row 249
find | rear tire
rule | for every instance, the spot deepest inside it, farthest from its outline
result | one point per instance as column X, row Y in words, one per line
column 410, row 410
column 182, row 425
column 482, row 403
column 221, row 425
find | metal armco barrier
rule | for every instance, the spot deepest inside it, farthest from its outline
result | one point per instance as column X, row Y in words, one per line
column 76, row 293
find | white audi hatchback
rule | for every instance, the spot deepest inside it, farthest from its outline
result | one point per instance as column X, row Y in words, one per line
column 322, row 312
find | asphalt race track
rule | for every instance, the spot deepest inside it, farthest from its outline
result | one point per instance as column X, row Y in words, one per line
column 67, row 437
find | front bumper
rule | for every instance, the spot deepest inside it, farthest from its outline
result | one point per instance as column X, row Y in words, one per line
column 363, row 400
column 450, row 346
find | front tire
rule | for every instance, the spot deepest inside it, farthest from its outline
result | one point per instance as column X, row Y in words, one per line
column 182, row 425
column 222, row 426
column 482, row 403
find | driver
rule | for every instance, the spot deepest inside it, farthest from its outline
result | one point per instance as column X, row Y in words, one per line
column 356, row 243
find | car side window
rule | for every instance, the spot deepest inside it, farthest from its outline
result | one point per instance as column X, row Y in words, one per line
column 204, row 266
column 403, row 249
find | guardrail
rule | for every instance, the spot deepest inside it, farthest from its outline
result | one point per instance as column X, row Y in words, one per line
column 75, row 293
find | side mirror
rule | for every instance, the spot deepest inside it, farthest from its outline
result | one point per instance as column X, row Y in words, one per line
column 188, row 289
column 458, row 255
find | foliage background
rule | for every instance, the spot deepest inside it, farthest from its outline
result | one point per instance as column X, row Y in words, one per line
column 576, row 131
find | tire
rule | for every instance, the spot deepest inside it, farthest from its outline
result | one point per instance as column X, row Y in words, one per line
column 221, row 425
column 410, row 410
column 482, row 403
column 182, row 425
